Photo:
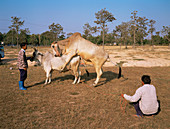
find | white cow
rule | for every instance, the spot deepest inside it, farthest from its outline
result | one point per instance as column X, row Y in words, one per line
column 50, row 62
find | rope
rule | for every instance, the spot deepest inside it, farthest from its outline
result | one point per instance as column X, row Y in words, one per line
column 120, row 69
column 121, row 104
column 113, row 62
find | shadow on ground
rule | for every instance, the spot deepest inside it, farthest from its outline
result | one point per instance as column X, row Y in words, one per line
column 108, row 75
column 4, row 61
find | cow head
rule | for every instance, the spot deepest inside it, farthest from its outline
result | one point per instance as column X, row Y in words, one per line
column 56, row 49
column 36, row 56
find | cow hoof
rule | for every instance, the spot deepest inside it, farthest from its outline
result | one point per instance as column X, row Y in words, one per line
column 61, row 69
column 94, row 84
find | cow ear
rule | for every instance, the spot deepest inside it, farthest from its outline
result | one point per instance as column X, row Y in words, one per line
column 40, row 54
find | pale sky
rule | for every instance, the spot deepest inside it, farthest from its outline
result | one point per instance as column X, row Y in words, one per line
column 73, row 14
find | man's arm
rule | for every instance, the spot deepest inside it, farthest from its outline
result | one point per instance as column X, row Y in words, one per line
column 135, row 97
column 28, row 58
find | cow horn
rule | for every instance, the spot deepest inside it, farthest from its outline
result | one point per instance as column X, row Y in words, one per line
column 35, row 49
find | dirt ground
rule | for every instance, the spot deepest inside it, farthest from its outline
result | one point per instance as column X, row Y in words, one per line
column 140, row 57
column 63, row 105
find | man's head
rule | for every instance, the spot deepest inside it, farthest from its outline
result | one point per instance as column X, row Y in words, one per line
column 146, row 79
column 23, row 46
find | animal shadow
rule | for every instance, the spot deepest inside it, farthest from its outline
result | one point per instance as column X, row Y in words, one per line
column 62, row 78
column 109, row 75
column 4, row 61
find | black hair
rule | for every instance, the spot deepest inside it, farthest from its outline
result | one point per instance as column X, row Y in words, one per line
column 23, row 44
column 146, row 79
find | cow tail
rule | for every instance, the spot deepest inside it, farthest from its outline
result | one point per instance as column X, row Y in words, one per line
column 116, row 64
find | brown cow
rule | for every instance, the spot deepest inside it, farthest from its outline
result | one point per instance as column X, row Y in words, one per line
column 87, row 50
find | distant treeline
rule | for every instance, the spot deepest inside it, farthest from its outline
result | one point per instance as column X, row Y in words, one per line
column 134, row 32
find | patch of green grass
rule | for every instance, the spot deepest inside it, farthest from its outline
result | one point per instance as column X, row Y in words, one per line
column 74, row 93
column 139, row 59
column 117, row 56
column 90, row 118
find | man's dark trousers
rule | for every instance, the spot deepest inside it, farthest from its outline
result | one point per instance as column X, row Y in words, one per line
column 23, row 74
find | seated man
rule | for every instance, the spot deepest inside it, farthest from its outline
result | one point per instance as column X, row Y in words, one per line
column 145, row 98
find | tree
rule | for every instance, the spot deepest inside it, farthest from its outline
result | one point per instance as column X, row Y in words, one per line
column 1, row 37
column 157, row 39
column 56, row 29
column 115, row 36
column 123, row 32
column 23, row 36
column 33, row 39
column 142, row 28
column 9, row 37
column 69, row 34
column 88, row 30
column 134, row 26
column 109, row 38
column 61, row 37
column 47, row 38
column 103, row 16
column 16, row 24
column 151, row 30
column 166, row 33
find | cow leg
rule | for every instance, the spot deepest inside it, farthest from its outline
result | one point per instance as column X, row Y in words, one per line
column 50, row 74
column 99, row 72
column 98, row 63
column 69, row 57
column 79, row 77
column 75, row 80
column 75, row 74
column 74, row 64
column 47, row 76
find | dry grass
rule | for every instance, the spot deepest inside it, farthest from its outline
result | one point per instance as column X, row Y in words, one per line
column 63, row 105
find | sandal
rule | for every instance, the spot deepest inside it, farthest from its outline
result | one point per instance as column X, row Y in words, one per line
column 138, row 116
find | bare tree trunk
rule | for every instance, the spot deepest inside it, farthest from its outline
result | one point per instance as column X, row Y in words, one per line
column 12, row 37
column 134, row 39
column 39, row 39
column 152, row 42
column 142, row 43
column 126, row 45
column 168, row 40
column 121, row 44
column 103, row 38
column 17, row 40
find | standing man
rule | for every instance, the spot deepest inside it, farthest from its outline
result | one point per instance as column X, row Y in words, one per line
column 145, row 98
column 22, row 65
